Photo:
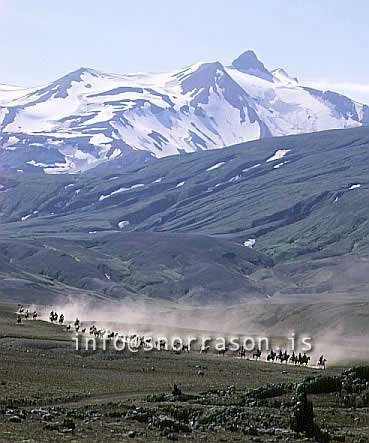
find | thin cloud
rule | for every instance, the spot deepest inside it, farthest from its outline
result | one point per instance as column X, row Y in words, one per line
column 357, row 91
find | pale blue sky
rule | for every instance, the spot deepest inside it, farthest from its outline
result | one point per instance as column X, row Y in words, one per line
column 324, row 42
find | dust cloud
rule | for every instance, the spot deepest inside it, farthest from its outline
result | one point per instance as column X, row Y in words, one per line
column 278, row 323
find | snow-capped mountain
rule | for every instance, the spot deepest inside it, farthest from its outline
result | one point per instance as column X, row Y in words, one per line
column 89, row 117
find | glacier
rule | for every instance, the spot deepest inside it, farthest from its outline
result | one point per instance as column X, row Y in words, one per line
column 88, row 118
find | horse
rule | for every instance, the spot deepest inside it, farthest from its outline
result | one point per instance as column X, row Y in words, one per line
column 148, row 343
column 304, row 359
column 321, row 362
column 294, row 359
column 256, row 354
column 222, row 352
column 204, row 349
column 242, row 352
column 19, row 319
column 284, row 357
column 61, row 319
column 185, row 348
column 161, row 345
column 26, row 315
column 279, row 356
column 53, row 316
column 271, row 356
column 98, row 332
column 34, row 315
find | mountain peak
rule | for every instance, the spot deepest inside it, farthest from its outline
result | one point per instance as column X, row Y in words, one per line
column 89, row 116
column 249, row 63
column 200, row 76
column 60, row 87
column 281, row 75
column 77, row 74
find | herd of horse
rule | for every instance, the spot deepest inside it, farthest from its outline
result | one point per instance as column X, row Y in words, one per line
column 295, row 359
column 25, row 314
column 280, row 357
column 301, row 359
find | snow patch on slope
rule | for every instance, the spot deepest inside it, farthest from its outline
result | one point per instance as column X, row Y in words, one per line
column 278, row 155
column 216, row 166
column 356, row 186
column 122, row 224
column 120, row 190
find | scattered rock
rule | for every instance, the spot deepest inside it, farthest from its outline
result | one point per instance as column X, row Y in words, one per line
column 47, row 417
column 69, row 424
column 15, row 419
column 52, row 426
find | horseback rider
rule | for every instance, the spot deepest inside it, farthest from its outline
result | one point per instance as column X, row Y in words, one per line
column 19, row 319
column 271, row 355
column 61, row 319
column 34, row 315
column 305, row 359
column 26, row 315
column 322, row 361
column 51, row 316
column 257, row 354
